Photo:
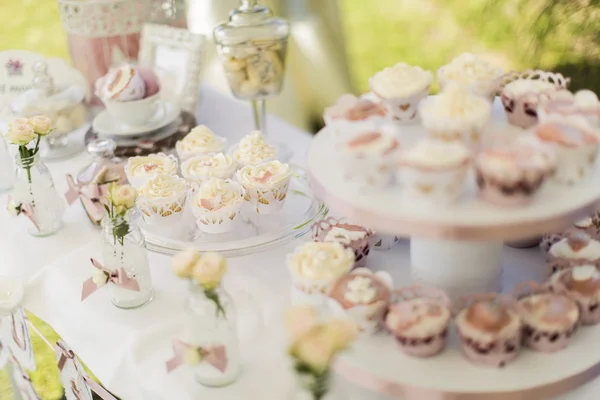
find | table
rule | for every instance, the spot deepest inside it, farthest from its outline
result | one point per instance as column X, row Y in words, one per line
column 102, row 335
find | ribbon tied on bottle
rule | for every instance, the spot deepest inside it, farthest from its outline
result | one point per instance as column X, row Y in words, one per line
column 189, row 354
column 104, row 276
column 91, row 196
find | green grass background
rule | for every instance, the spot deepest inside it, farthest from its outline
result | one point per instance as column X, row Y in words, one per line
column 563, row 35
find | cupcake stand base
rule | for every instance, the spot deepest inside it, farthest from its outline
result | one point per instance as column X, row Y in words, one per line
column 458, row 248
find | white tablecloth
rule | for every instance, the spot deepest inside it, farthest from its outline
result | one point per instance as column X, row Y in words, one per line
column 123, row 347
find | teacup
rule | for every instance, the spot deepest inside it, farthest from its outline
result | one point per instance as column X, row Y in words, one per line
column 134, row 112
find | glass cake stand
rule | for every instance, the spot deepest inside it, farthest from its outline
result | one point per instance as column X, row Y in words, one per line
column 256, row 232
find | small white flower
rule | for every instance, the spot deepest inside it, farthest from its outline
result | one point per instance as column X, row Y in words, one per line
column 100, row 278
column 14, row 208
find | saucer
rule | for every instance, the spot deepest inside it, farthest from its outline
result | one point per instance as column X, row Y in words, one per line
column 105, row 124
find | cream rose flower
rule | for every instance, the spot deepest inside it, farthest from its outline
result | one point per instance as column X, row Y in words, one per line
column 20, row 132
column 192, row 357
column 342, row 332
column 41, row 124
column 300, row 320
column 183, row 263
column 315, row 349
column 100, row 278
column 123, row 196
column 209, row 270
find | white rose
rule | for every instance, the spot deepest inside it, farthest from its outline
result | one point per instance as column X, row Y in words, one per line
column 123, row 196
column 183, row 263
column 100, row 278
column 315, row 349
column 209, row 270
column 41, row 124
column 20, row 132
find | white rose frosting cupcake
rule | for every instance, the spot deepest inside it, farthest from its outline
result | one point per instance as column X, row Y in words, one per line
column 142, row 168
column 253, row 149
column 200, row 141
column 456, row 115
column 216, row 204
column 315, row 266
column 266, row 185
column 401, row 88
column 434, row 171
column 351, row 115
column 582, row 284
column 161, row 200
column 473, row 73
column 202, row 168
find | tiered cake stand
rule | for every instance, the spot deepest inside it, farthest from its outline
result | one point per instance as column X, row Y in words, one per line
column 458, row 248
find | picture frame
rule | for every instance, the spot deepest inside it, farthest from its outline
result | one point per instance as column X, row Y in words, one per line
column 176, row 55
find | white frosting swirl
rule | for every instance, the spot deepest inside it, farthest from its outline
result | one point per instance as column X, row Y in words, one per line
column 151, row 165
column 163, row 187
column 201, row 168
column 468, row 68
column 264, row 175
column 254, row 149
column 584, row 273
column 200, row 140
column 218, row 193
column 457, row 102
column 321, row 261
column 401, row 80
column 591, row 251
column 429, row 153
column 361, row 290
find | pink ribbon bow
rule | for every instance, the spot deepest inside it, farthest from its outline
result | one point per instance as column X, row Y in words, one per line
column 215, row 356
column 90, row 194
column 118, row 277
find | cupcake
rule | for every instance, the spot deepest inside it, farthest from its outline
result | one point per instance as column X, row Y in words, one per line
column 253, row 149
column 576, row 149
column 419, row 320
column 575, row 249
column 401, row 88
column 351, row 115
column 456, row 115
column 489, row 330
column 315, row 266
column 511, row 175
column 583, row 105
column 216, row 204
column 473, row 73
column 140, row 169
column 434, row 171
column 351, row 236
column 266, row 185
column 124, row 83
column 582, row 284
column 523, row 92
column 368, row 157
column 363, row 296
column 202, row 168
column 589, row 225
column 549, row 319
column 200, row 141
column 161, row 199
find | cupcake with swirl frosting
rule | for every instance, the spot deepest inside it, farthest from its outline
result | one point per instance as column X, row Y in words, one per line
column 216, row 204
column 582, row 284
column 473, row 73
column 315, row 266
column 200, row 141
column 202, row 168
column 266, row 185
column 456, row 115
column 253, row 149
column 352, row 115
column 161, row 200
column 140, row 169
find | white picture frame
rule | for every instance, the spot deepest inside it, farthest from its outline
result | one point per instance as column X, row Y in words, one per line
column 177, row 57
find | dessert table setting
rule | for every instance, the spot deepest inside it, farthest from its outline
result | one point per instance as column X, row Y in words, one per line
column 418, row 247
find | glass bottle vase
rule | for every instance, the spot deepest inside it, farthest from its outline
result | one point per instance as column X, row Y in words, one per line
column 129, row 253
column 208, row 326
column 34, row 187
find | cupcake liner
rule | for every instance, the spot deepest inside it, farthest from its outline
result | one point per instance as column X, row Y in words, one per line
column 575, row 164
column 367, row 172
column 509, row 194
column 164, row 211
column 404, row 109
column 222, row 220
column 588, row 307
column 522, row 110
column 437, row 186
column 320, row 228
column 383, row 242
column 484, row 88
column 267, row 200
column 469, row 129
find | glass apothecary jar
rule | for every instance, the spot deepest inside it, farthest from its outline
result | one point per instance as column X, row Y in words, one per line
column 123, row 246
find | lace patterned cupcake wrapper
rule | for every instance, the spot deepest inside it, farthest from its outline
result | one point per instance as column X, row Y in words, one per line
column 267, row 201
column 320, row 228
column 442, row 186
column 222, row 220
column 162, row 211
column 403, row 109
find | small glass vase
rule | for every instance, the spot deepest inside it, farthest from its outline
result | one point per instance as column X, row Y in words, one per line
column 34, row 186
column 208, row 326
column 129, row 254
column 7, row 170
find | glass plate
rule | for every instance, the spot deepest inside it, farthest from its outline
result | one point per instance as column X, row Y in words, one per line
column 255, row 232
